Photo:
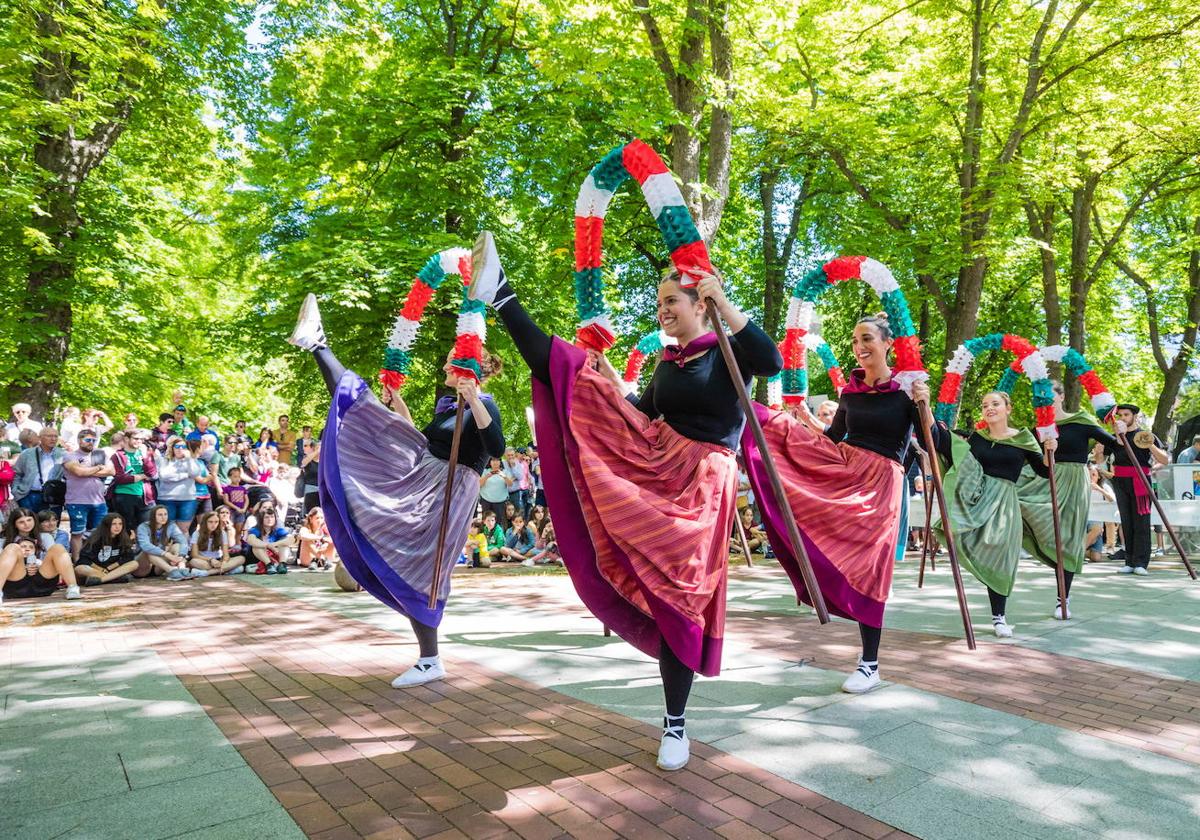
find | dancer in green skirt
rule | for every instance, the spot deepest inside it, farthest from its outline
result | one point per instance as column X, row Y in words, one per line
column 981, row 495
column 1074, row 495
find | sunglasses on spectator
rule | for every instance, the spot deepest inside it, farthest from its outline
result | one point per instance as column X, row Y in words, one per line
column 177, row 446
column 87, row 440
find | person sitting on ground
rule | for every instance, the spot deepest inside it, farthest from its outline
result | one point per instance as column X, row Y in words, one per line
column 756, row 538
column 495, row 537
column 210, row 548
column 20, row 422
column 518, row 542
column 163, row 547
column 108, row 555
column 316, row 545
column 85, row 470
column 54, row 529
column 270, row 543
column 546, row 549
column 476, row 549
column 26, row 574
column 237, row 549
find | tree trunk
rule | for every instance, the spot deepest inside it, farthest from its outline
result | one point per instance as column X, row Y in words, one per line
column 1175, row 373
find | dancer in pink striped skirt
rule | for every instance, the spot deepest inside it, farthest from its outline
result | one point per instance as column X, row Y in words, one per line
column 643, row 491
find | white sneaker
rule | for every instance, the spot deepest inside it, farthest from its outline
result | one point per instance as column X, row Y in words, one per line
column 1125, row 570
column 485, row 269
column 308, row 334
column 73, row 593
column 1141, row 570
column 1058, row 610
column 674, row 750
column 527, row 562
column 197, row 573
column 1001, row 627
column 863, row 679
column 420, row 674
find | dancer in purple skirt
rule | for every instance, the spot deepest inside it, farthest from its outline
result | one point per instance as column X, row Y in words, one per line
column 382, row 483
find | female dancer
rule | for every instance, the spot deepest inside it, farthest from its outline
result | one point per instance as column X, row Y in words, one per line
column 643, row 491
column 981, row 495
column 383, row 481
column 1074, row 495
column 848, row 472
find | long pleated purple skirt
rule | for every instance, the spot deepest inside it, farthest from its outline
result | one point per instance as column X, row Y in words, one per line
column 382, row 493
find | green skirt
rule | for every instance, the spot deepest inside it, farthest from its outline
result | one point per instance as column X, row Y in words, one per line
column 985, row 518
column 1037, row 518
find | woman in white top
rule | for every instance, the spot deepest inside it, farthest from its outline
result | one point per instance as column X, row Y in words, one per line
column 210, row 548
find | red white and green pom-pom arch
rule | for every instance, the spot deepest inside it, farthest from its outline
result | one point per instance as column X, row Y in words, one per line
column 1030, row 359
column 644, row 349
column 467, row 359
column 909, row 367
column 1103, row 402
column 688, row 253
column 812, row 342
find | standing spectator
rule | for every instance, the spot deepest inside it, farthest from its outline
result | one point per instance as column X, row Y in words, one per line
column 161, row 434
column 132, row 488
column 226, row 458
column 36, row 466
column 239, row 431
column 270, row 543
column 8, row 453
column 210, row 441
column 285, row 440
column 85, row 468
column 206, row 479
column 131, row 422
column 306, row 436
column 109, row 555
column 162, row 547
column 69, row 428
column 493, row 488
column 316, row 545
column 180, row 424
column 20, row 422
column 94, row 418
column 266, row 440
column 1192, row 454
column 237, row 499
column 310, row 465
column 516, row 475
column 535, row 471
column 177, row 474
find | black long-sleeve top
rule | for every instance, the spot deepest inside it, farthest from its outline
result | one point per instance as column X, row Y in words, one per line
column 476, row 445
column 879, row 421
column 699, row 400
column 1121, row 457
column 998, row 459
column 1073, row 442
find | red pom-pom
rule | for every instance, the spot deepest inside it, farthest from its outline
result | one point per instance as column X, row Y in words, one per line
column 689, row 258
column 418, row 298
column 589, row 233
column 908, row 353
column 793, row 351
column 641, row 161
column 844, row 268
column 1045, row 415
column 393, row 379
column 633, row 367
column 838, row 378
column 468, row 346
column 1018, row 346
column 981, row 424
column 1017, row 366
column 464, row 269
column 951, row 387
column 594, row 337
column 1091, row 383
column 793, row 399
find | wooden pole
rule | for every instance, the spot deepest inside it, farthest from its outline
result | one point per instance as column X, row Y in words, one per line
column 1059, row 572
column 1158, row 506
column 935, row 470
column 436, row 584
column 741, row 529
column 801, row 555
column 927, row 536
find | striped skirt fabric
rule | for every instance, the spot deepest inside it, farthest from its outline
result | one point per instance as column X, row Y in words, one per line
column 642, row 514
column 1037, row 518
column 382, row 494
column 847, row 504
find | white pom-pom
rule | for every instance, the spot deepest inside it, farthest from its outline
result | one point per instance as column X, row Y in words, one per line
column 774, row 392
column 800, row 314
column 1054, row 353
column 404, row 333
column 592, row 201
column 878, row 276
column 1047, row 432
column 451, row 257
column 600, row 321
column 1035, row 366
column 961, row 361
column 1103, row 403
column 907, row 378
column 473, row 323
column 812, row 341
column 661, row 191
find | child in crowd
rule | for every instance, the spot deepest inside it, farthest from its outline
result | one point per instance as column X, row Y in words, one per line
column 756, row 537
column 161, row 547
column 270, row 543
column 210, row 547
column 495, row 538
column 109, row 555
column 546, row 548
column 237, row 496
column 317, row 551
column 476, row 549
column 519, row 542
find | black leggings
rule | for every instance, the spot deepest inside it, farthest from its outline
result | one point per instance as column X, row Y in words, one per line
column 331, row 368
column 997, row 601
column 676, row 677
column 426, row 638
column 532, row 342
column 870, row 641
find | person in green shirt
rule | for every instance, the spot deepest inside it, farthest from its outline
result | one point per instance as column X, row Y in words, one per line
column 182, row 425
column 227, row 458
column 132, row 491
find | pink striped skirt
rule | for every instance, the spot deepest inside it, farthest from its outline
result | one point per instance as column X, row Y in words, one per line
column 641, row 513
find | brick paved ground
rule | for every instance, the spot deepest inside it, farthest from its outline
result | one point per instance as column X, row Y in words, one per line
column 303, row 694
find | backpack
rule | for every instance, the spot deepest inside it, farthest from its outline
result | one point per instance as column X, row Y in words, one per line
column 54, row 490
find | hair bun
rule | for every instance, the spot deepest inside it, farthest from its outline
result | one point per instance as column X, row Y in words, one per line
column 882, row 316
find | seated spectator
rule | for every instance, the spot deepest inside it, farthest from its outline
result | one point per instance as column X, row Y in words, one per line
column 519, row 540
column 132, row 491
column 108, row 555
column 270, row 543
column 160, row 435
column 316, row 545
column 233, row 538
column 163, row 547
column 210, row 547
column 495, row 537
column 177, row 475
column 236, row 497
column 54, row 529
column 20, row 422
column 36, row 466
column 85, row 470
column 546, row 549
column 510, row 510
column 266, row 440
column 26, row 574
column 476, row 550
column 756, row 537
column 537, row 518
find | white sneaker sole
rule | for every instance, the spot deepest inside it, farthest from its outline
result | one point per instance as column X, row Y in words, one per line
column 308, row 323
column 484, row 264
column 404, row 681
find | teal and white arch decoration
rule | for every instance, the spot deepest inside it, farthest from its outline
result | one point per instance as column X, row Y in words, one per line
column 472, row 330
column 1103, row 402
column 909, row 367
column 1030, row 359
column 688, row 252
column 647, row 347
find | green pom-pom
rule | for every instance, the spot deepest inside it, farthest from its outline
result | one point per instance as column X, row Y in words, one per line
column 1043, row 393
column 468, row 364
column 677, row 228
column 812, row 285
column 397, row 360
column 795, row 381
column 589, row 293
column 467, row 306
column 610, row 172
column 431, row 273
